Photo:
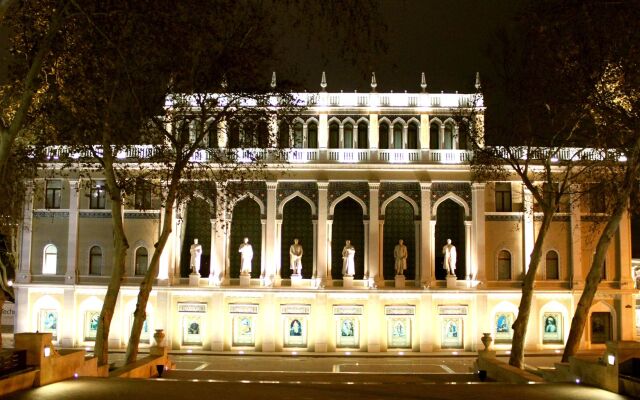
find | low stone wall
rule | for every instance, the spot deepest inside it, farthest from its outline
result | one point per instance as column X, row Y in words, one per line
column 145, row 367
column 503, row 372
column 18, row 381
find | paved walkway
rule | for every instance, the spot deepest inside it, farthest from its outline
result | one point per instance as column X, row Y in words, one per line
column 124, row 389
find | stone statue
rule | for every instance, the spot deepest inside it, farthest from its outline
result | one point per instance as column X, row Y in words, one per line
column 348, row 259
column 400, row 253
column 295, row 257
column 246, row 255
column 196, row 253
column 449, row 252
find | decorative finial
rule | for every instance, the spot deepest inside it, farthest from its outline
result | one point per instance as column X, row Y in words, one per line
column 224, row 84
column 478, row 81
column 323, row 83
column 273, row 80
column 374, row 84
column 423, row 83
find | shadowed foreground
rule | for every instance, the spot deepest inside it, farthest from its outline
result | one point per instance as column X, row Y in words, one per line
column 124, row 389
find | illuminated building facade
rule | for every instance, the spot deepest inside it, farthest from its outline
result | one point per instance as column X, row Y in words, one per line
column 371, row 168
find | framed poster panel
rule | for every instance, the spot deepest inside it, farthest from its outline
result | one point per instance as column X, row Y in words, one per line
column 145, row 336
column 295, row 331
column 244, row 330
column 552, row 328
column 600, row 327
column 91, row 319
column 452, row 331
column 348, row 331
column 192, row 329
column 399, row 332
column 503, row 323
column 48, row 322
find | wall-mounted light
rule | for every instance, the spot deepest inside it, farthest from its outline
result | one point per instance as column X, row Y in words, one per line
column 47, row 351
column 10, row 282
column 611, row 359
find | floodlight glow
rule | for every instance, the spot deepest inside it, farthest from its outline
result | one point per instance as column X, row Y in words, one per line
column 578, row 381
column 189, row 351
column 348, row 353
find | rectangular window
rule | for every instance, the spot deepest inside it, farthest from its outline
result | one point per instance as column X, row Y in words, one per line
column 54, row 193
column 597, row 203
column 143, row 195
column 503, row 196
column 98, row 196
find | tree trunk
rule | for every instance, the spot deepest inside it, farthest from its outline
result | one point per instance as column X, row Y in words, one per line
column 119, row 257
column 2, row 298
column 146, row 286
column 520, row 325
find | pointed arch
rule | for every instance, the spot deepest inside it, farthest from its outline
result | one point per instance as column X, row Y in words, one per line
column 457, row 199
column 413, row 119
column 348, row 120
column 334, row 119
column 436, row 120
column 297, row 193
column 384, row 119
column 362, row 119
column 399, row 120
column 310, row 120
column 253, row 197
column 450, row 121
column 603, row 306
column 401, row 195
column 358, row 200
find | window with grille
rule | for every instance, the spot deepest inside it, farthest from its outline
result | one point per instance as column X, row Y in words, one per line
column 53, row 195
column 143, row 195
column 95, row 261
column 142, row 261
column 504, row 265
column 503, row 196
column 552, row 267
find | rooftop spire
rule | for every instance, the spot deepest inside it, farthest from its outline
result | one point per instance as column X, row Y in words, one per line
column 478, row 81
column 323, row 82
column 273, row 80
column 374, row 84
column 423, row 83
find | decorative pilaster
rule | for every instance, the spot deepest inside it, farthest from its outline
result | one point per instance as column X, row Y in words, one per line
column 24, row 276
column 165, row 256
column 426, row 235
column 322, row 247
column 323, row 135
column 71, row 276
column 272, row 261
column 528, row 227
column 67, row 330
column 374, row 136
column 575, row 273
column 374, row 237
column 467, row 248
column 478, row 270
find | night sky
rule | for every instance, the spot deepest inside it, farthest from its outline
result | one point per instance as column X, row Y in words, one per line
column 448, row 40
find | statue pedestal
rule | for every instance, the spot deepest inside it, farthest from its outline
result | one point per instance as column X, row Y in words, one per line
column 214, row 280
column 400, row 281
column 451, row 281
column 296, row 280
column 347, row 281
column 245, row 280
column 194, row 279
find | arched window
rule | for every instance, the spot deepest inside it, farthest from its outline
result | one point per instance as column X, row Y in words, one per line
column 283, row 135
column 312, row 135
column 448, row 136
column 348, row 136
column 50, row 260
column 397, row 135
column 142, row 261
column 95, row 261
column 412, row 138
column 383, row 132
column 551, row 266
column 233, row 134
column 297, row 136
column 363, row 136
column 334, row 135
column 434, row 136
column 504, row 265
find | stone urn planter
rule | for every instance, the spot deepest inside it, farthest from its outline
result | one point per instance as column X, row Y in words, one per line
column 487, row 340
column 159, row 337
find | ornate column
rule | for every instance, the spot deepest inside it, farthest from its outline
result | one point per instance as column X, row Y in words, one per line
column 322, row 238
column 227, row 252
column 417, row 256
column 271, row 239
column 623, row 244
column 314, row 274
column 427, row 258
column 328, row 279
column 278, row 252
column 374, row 236
column 467, row 247
column 575, row 274
column 24, row 276
column 67, row 332
column 528, row 228
column 478, row 270
column 71, row 276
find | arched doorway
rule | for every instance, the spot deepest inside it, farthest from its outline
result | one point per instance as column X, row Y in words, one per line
column 399, row 224
column 450, row 225
column 245, row 223
column 198, row 227
column 347, row 225
column 297, row 223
